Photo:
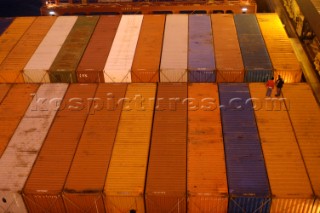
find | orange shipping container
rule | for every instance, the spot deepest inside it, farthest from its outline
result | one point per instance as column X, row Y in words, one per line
column 4, row 88
column 125, row 182
column 145, row 67
column 43, row 189
column 207, row 180
column 167, row 176
column 84, row 185
column 289, row 181
column 11, row 68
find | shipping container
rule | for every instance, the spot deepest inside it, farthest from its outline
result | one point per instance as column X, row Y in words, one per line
column 146, row 62
column 257, row 64
column 247, row 177
column 4, row 89
column 201, row 64
column 227, row 51
column 11, row 36
column 118, row 65
column 174, row 57
column 125, row 182
column 304, row 114
column 63, row 68
column 167, row 176
column 12, row 67
column 289, row 181
column 39, row 64
column 316, row 206
column 282, row 56
column 43, row 189
column 206, row 177
column 23, row 148
column 5, row 23
column 90, row 69
column 12, row 110
column 85, row 182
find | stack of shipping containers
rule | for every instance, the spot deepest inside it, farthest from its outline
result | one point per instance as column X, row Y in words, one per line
column 5, row 23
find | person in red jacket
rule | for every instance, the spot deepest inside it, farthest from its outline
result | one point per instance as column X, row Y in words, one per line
column 270, row 86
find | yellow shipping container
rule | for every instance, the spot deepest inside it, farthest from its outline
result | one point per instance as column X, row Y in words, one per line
column 289, row 182
column 283, row 58
column 125, row 182
column 12, row 66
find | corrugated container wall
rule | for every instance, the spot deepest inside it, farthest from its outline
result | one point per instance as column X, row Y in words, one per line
column 305, row 118
column 283, row 58
column 247, row 176
column 37, row 68
column 257, row 64
column 4, row 89
column 289, row 181
column 43, row 189
column 23, row 148
column 119, row 62
column 146, row 63
column 227, row 51
column 125, row 182
column 12, row 110
column 12, row 67
column 63, row 69
column 5, row 23
column 83, row 190
column 206, row 177
column 174, row 57
column 90, row 69
column 201, row 64
column 166, row 178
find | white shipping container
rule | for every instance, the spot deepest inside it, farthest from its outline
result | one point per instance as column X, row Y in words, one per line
column 24, row 146
column 119, row 62
column 174, row 59
column 37, row 68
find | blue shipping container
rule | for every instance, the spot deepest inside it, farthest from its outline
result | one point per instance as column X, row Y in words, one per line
column 248, row 183
column 201, row 64
column 4, row 24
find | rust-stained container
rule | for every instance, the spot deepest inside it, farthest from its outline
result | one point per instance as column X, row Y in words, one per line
column 167, row 176
column 125, row 182
column 84, row 185
column 228, row 57
column 4, row 88
column 23, row 148
column 12, row 67
column 304, row 113
column 43, row 189
column 63, row 69
column 146, row 62
column 206, row 177
column 91, row 66
column 12, row 110
column 282, row 56
column 289, row 181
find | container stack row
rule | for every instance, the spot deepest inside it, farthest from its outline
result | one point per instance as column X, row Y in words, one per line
column 166, row 147
column 146, row 48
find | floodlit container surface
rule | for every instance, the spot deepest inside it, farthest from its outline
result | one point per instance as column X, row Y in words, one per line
column 284, row 61
column 12, row 110
column 91, row 66
column 125, row 182
column 23, row 148
column 166, row 177
column 63, row 69
column 174, row 57
column 4, row 88
column 316, row 206
column 289, row 181
column 146, row 63
column 43, row 189
column 11, row 67
column 12, row 35
column 206, row 177
column 119, row 62
column 246, row 172
column 305, row 117
column 258, row 67
column 201, row 65
column 85, row 182
column 227, row 51
column 5, row 23
column 39, row 64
